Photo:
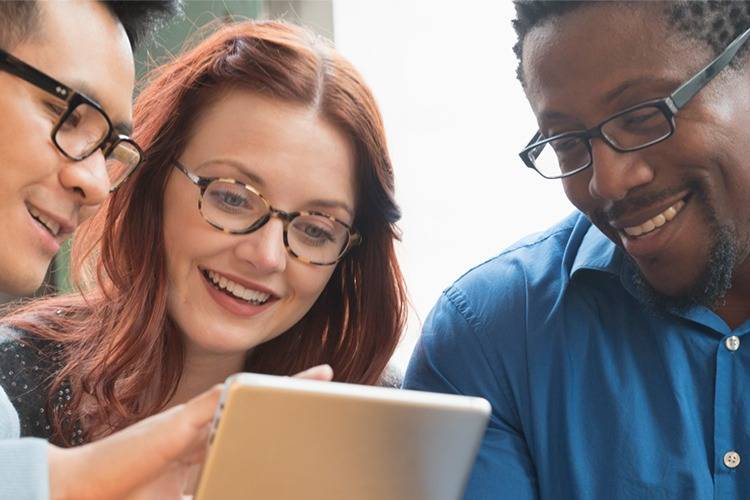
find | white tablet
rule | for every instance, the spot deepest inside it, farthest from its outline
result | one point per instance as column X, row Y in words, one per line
column 279, row 438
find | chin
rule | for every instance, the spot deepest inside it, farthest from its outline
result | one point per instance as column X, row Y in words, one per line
column 668, row 286
column 21, row 286
column 706, row 287
column 220, row 343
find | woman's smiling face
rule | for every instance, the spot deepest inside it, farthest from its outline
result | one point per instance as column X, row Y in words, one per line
column 229, row 293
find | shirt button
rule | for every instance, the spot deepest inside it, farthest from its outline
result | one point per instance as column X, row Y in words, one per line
column 732, row 343
column 731, row 459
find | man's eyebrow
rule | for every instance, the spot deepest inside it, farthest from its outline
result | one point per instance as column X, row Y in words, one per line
column 121, row 127
column 83, row 88
column 124, row 128
column 634, row 82
column 615, row 93
column 552, row 115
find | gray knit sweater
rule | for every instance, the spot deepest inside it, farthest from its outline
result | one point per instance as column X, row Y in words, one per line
column 23, row 462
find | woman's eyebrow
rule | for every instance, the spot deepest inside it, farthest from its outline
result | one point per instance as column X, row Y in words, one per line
column 331, row 204
column 256, row 180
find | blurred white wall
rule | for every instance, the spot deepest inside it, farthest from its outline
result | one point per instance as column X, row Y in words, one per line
column 444, row 75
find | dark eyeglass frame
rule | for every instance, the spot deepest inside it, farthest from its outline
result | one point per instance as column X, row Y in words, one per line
column 72, row 99
column 669, row 106
column 286, row 217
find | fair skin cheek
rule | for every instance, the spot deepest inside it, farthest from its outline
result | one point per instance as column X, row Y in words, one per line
column 34, row 173
column 297, row 161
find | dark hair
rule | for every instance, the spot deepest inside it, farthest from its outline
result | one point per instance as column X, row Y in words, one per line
column 139, row 17
column 118, row 339
column 18, row 20
column 713, row 22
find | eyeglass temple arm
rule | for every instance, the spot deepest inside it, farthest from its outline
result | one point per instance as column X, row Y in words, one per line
column 23, row 70
column 687, row 90
column 193, row 178
column 537, row 137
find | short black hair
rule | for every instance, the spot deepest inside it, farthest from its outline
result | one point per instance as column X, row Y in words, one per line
column 139, row 17
column 713, row 22
column 17, row 20
column 20, row 19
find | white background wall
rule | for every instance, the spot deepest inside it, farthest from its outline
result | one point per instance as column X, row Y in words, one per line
column 444, row 75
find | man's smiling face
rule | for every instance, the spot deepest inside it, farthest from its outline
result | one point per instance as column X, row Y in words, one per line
column 680, row 208
column 43, row 195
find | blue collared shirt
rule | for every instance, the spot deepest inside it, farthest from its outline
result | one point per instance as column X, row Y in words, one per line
column 593, row 396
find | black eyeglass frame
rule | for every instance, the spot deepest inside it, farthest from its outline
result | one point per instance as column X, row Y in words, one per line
column 286, row 217
column 669, row 106
column 72, row 99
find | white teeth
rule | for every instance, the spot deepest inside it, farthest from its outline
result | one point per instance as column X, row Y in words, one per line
column 238, row 290
column 655, row 222
column 52, row 226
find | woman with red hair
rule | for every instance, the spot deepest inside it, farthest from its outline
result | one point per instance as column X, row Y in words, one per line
column 258, row 235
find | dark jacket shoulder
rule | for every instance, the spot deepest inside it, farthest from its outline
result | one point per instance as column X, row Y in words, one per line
column 27, row 368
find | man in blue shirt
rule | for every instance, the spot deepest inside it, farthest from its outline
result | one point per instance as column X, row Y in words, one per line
column 612, row 346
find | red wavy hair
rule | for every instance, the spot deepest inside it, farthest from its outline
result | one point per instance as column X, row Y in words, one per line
column 121, row 353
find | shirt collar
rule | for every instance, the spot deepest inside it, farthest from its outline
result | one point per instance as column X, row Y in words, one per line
column 596, row 252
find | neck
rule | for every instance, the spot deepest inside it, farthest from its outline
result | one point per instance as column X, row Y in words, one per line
column 202, row 371
column 735, row 309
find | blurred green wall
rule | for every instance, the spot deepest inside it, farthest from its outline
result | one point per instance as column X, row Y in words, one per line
column 170, row 38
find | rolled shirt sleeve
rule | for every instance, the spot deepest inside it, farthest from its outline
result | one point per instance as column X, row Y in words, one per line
column 451, row 357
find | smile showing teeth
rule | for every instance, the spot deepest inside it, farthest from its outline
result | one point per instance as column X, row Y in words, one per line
column 237, row 290
column 655, row 222
column 52, row 226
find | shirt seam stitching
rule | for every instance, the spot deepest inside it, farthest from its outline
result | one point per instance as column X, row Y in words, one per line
column 458, row 300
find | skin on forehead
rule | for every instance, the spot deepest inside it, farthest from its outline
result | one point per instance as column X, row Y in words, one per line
column 74, row 56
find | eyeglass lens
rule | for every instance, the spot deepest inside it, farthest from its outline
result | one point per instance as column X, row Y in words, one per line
column 84, row 129
column 236, row 208
column 121, row 161
column 629, row 131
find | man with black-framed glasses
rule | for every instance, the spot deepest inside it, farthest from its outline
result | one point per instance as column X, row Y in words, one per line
column 66, row 84
column 81, row 127
column 612, row 346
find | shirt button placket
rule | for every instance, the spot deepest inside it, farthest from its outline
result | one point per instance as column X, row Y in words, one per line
column 728, row 442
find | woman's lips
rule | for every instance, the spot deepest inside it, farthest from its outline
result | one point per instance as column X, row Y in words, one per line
column 234, row 304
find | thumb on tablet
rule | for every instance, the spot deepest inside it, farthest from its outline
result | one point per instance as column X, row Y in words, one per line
column 323, row 373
